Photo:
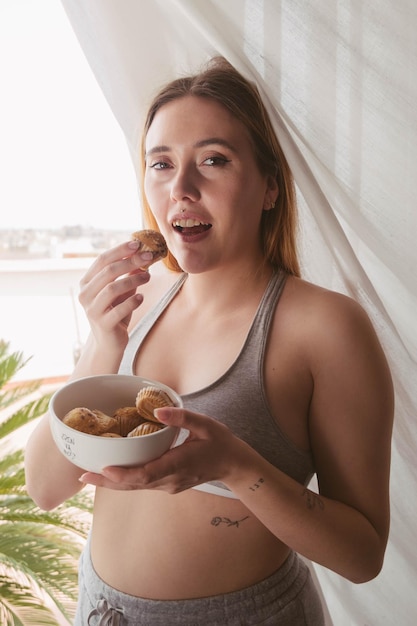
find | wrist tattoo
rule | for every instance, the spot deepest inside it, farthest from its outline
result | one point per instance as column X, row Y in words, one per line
column 256, row 485
column 313, row 500
column 216, row 521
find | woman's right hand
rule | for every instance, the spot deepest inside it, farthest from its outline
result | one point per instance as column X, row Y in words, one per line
column 108, row 294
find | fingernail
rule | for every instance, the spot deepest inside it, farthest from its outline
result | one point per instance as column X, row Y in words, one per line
column 133, row 245
column 146, row 256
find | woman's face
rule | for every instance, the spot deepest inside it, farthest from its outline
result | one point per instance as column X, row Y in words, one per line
column 203, row 185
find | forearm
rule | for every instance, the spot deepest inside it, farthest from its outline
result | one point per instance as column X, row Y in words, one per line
column 50, row 477
column 323, row 530
column 96, row 360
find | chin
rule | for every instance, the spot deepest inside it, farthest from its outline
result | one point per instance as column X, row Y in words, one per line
column 195, row 266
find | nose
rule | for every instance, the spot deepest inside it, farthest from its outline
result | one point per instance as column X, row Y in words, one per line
column 184, row 184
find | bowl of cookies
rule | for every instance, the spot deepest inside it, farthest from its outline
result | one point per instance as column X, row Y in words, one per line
column 100, row 421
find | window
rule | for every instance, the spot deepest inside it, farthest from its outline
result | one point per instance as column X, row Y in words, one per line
column 68, row 186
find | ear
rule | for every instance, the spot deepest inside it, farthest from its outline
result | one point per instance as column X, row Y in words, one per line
column 271, row 193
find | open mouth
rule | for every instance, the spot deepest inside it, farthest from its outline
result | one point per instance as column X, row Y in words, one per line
column 190, row 226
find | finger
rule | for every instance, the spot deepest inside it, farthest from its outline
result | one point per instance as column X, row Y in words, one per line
column 121, row 251
column 113, row 478
column 109, row 275
column 127, row 479
column 197, row 423
column 123, row 297
column 112, row 294
column 113, row 264
column 166, row 473
column 122, row 312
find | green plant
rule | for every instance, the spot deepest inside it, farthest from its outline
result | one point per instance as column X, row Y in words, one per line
column 39, row 550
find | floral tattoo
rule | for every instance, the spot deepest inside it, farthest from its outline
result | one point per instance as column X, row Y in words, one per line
column 216, row 521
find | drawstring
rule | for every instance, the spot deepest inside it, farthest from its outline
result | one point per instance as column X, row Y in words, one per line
column 109, row 616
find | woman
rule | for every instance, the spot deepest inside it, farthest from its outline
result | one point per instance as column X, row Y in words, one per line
column 280, row 380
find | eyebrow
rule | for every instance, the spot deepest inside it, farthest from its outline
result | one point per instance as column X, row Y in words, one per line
column 199, row 144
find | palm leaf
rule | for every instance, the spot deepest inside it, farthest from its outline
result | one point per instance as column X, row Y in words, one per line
column 39, row 550
column 23, row 605
column 75, row 519
column 14, row 394
column 10, row 364
column 24, row 415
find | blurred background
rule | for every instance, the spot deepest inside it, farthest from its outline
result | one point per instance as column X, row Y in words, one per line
column 56, row 128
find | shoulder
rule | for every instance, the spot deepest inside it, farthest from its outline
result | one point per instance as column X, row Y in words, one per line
column 332, row 336
column 318, row 300
column 352, row 383
column 320, row 315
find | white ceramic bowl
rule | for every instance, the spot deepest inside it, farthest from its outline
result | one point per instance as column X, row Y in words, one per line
column 107, row 393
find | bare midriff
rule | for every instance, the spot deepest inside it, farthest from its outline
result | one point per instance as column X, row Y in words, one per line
column 155, row 545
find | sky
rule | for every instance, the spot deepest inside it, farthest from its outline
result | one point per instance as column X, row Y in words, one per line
column 63, row 157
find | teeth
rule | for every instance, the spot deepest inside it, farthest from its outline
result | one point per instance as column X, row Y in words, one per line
column 188, row 223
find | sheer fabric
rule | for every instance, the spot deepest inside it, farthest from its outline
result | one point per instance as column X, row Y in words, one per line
column 340, row 82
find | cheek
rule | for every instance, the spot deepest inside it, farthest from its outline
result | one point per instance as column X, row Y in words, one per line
column 147, row 186
column 153, row 194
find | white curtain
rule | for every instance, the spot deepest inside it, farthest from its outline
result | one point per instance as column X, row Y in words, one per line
column 340, row 80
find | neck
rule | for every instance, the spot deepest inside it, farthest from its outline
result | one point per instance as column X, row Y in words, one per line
column 223, row 290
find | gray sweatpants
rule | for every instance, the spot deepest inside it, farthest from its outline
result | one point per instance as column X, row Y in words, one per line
column 287, row 598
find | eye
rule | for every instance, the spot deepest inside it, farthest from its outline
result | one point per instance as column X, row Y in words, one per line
column 215, row 160
column 159, row 165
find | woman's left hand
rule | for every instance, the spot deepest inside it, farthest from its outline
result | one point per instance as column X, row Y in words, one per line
column 209, row 453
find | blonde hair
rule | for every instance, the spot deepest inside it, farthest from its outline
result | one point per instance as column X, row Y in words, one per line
column 221, row 82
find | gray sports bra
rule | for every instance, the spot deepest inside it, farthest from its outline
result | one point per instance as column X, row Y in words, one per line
column 237, row 398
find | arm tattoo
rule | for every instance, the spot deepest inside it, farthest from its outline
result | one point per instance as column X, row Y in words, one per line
column 313, row 499
column 216, row 521
column 256, row 485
